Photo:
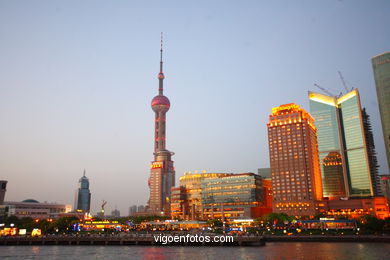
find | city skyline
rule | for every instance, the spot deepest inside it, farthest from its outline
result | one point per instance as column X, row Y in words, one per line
column 76, row 77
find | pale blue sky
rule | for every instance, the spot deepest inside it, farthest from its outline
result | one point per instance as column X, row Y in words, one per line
column 77, row 78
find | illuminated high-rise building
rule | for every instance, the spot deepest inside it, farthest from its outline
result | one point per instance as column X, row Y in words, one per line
column 381, row 67
column 162, row 174
column 342, row 145
column 295, row 169
column 371, row 153
column 83, row 195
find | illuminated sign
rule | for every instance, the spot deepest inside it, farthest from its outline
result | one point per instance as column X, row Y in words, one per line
column 101, row 222
column 36, row 232
column 156, row 165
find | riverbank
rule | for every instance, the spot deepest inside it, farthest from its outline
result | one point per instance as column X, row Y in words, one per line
column 149, row 240
column 145, row 240
column 335, row 238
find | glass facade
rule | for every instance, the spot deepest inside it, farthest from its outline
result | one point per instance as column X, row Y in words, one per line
column 326, row 121
column 83, row 195
column 332, row 169
column 233, row 195
column 191, row 189
column 355, row 150
column 325, row 112
column 381, row 67
column 341, row 143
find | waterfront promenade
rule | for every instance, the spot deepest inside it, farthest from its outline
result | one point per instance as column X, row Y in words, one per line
column 148, row 240
column 128, row 239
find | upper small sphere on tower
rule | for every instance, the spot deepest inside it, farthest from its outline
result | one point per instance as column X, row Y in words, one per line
column 160, row 103
column 161, row 75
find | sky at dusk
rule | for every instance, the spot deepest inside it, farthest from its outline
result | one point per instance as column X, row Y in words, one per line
column 77, row 79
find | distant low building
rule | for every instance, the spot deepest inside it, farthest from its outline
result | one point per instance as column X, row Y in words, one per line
column 385, row 185
column 115, row 213
column 132, row 210
column 141, row 208
column 355, row 207
column 34, row 209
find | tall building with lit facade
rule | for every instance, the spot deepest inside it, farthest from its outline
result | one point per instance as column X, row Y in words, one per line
column 83, row 195
column 162, row 173
column 371, row 153
column 342, row 145
column 179, row 205
column 295, row 169
column 381, row 67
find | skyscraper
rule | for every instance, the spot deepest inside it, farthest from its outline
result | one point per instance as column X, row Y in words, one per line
column 296, row 176
column 371, row 153
column 342, row 145
column 381, row 67
column 3, row 189
column 83, row 195
column 162, row 174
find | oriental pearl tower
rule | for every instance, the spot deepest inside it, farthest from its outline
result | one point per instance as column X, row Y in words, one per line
column 162, row 173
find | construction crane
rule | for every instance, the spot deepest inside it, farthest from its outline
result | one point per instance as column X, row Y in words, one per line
column 343, row 81
column 324, row 90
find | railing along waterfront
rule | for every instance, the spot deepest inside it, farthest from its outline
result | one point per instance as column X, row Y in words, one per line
column 128, row 239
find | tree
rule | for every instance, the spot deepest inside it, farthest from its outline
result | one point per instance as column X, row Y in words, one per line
column 370, row 224
column 65, row 223
column 278, row 218
column 215, row 222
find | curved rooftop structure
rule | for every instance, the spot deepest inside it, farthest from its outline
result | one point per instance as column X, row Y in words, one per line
column 30, row 201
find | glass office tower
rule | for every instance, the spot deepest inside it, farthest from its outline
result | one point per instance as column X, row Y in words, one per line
column 381, row 67
column 83, row 195
column 341, row 143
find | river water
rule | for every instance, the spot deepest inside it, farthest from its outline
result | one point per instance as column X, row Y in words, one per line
column 274, row 250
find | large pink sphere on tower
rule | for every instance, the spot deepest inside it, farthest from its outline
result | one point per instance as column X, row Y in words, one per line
column 160, row 103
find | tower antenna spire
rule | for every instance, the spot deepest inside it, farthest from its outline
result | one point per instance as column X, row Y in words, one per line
column 161, row 53
column 161, row 73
